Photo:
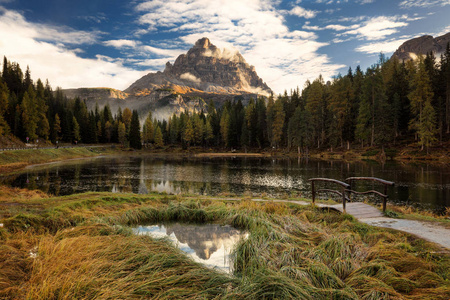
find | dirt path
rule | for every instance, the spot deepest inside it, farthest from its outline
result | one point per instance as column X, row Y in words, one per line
column 429, row 231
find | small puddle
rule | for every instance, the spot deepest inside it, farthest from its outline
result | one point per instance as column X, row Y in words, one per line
column 208, row 244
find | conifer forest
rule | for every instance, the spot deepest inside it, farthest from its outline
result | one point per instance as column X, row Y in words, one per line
column 391, row 103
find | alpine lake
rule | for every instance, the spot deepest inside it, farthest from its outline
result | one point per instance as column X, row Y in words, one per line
column 422, row 185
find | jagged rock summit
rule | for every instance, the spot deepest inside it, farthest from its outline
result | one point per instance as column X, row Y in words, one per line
column 204, row 73
column 205, row 68
column 422, row 45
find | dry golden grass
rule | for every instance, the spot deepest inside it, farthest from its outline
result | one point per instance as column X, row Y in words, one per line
column 81, row 248
column 9, row 194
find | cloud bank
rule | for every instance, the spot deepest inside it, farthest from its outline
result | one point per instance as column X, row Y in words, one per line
column 45, row 50
column 284, row 58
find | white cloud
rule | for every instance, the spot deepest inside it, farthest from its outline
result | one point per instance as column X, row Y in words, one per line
column 12, row 21
column 121, row 43
column 257, row 28
column 190, row 77
column 443, row 31
column 34, row 45
column 388, row 46
column 337, row 27
column 303, row 13
column 377, row 28
column 423, row 3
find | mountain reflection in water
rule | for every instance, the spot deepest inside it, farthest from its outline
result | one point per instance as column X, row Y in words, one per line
column 208, row 244
column 422, row 185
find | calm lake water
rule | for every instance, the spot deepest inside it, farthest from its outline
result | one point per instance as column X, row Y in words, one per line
column 209, row 244
column 415, row 184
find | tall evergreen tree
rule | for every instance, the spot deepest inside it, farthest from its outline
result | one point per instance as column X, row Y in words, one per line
column 427, row 130
column 135, row 131
column 316, row 107
column 278, row 124
column 420, row 96
column 189, row 136
column 4, row 100
column 122, row 134
column 159, row 142
column 30, row 114
column 148, row 130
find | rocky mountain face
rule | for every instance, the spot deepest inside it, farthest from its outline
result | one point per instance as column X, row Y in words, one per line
column 422, row 45
column 204, row 73
column 206, row 68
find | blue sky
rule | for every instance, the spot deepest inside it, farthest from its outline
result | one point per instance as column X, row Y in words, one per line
column 112, row 43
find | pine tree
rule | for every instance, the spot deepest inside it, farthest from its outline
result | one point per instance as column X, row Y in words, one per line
column 199, row 129
column 340, row 105
column 173, row 129
column 278, row 123
column 57, row 128
column 316, row 107
column 159, row 142
column 188, row 136
column 225, row 126
column 300, row 129
column 251, row 120
column 148, row 130
column 76, row 130
column 421, row 95
column 445, row 73
column 126, row 118
column 261, row 136
column 43, row 129
column 244, row 136
column 373, row 113
column 135, row 131
column 108, row 131
column 427, row 130
column 122, row 133
column 4, row 100
column 29, row 114
column 270, row 116
column 209, row 134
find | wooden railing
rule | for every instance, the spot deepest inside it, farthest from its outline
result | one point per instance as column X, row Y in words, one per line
column 346, row 188
column 385, row 183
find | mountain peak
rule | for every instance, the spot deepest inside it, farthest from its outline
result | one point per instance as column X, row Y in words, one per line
column 203, row 43
column 206, row 68
column 421, row 46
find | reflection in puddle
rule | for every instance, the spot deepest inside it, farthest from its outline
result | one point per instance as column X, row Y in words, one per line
column 208, row 244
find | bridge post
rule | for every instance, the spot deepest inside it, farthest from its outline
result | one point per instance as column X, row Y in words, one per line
column 385, row 198
column 343, row 198
column 313, row 193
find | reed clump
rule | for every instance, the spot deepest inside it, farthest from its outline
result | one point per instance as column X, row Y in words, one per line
column 82, row 247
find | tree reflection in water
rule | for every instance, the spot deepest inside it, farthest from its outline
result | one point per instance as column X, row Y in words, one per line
column 422, row 185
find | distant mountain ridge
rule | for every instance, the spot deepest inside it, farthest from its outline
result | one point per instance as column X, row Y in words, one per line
column 422, row 45
column 204, row 73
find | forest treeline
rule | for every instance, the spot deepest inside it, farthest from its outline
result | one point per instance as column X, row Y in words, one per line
column 391, row 102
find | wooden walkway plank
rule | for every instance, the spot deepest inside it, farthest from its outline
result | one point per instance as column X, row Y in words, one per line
column 358, row 210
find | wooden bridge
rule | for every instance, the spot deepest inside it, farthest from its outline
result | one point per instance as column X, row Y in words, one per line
column 357, row 209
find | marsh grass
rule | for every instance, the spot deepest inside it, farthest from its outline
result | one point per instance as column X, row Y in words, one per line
column 83, row 248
